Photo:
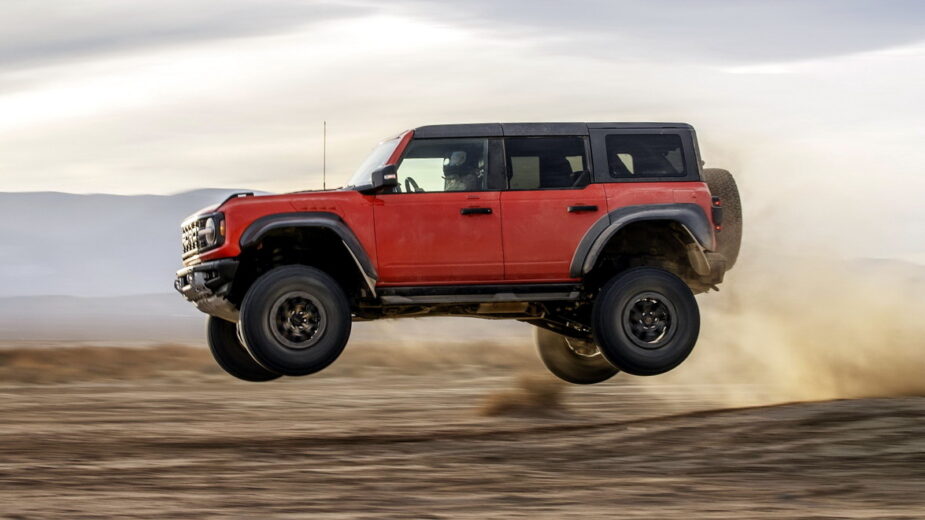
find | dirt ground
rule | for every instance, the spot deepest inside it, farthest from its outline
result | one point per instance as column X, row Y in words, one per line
column 384, row 442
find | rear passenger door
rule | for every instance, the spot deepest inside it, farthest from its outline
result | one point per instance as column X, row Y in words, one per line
column 549, row 205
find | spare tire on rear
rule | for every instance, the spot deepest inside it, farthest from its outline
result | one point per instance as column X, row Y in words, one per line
column 723, row 185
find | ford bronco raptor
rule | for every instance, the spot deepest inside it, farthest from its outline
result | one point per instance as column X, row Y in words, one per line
column 599, row 234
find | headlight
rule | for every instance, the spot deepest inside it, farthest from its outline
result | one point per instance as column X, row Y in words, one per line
column 207, row 233
column 211, row 231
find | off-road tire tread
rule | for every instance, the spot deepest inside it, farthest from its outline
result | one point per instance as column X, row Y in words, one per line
column 266, row 350
column 610, row 335
column 723, row 185
column 563, row 363
column 231, row 355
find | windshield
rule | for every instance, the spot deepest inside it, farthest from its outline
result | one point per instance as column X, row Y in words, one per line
column 376, row 158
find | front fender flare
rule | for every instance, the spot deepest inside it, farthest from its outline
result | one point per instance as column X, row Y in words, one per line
column 314, row 219
column 691, row 216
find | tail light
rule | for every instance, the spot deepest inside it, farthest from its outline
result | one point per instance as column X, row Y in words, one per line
column 717, row 214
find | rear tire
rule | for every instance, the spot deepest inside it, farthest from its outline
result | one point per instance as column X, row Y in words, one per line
column 231, row 355
column 295, row 320
column 568, row 365
column 723, row 185
column 645, row 321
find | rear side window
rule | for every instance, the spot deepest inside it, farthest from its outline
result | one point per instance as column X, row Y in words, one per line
column 546, row 162
column 645, row 155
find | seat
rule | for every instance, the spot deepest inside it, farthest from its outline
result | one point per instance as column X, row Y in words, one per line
column 651, row 165
column 617, row 166
column 556, row 172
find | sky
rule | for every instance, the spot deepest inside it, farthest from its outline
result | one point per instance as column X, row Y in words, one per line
column 816, row 106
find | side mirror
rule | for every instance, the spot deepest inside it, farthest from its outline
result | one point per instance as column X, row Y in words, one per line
column 384, row 177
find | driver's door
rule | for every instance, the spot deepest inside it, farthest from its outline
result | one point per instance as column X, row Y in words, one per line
column 443, row 223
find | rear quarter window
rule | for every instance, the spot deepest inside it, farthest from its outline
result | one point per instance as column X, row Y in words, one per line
column 633, row 156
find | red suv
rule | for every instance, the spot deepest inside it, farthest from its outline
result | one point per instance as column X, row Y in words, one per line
column 599, row 234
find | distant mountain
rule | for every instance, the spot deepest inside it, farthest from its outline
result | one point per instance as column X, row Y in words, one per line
column 148, row 318
column 93, row 245
column 100, row 267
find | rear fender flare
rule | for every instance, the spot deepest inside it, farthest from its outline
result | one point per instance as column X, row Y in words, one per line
column 690, row 216
column 314, row 219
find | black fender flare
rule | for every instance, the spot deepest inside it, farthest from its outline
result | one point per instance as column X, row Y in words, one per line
column 314, row 219
column 690, row 216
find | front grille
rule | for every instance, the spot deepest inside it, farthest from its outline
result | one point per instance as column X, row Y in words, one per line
column 190, row 237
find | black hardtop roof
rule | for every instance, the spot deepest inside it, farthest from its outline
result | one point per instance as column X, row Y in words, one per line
column 524, row 129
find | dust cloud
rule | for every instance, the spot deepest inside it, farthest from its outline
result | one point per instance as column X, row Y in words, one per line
column 781, row 329
column 796, row 329
column 534, row 395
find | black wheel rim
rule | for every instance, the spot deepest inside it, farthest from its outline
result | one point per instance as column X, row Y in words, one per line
column 297, row 320
column 649, row 320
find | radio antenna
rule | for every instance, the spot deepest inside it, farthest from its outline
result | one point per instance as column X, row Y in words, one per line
column 324, row 155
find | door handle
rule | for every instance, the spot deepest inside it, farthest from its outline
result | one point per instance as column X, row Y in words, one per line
column 475, row 211
column 577, row 209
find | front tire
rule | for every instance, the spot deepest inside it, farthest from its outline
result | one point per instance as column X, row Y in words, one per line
column 295, row 320
column 576, row 364
column 231, row 355
column 645, row 321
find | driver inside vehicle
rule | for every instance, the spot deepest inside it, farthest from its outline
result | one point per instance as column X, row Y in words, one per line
column 459, row 174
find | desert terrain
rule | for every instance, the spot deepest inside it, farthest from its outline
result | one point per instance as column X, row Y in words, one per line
column 805, row 394
column 803, row 399
column 472, row 430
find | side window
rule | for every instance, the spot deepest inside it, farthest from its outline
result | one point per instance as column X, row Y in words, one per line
column 438, row 165
column 547, row 162
column 644, row 155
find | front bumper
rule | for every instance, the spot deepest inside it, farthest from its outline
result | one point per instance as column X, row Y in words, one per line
column 207, row 285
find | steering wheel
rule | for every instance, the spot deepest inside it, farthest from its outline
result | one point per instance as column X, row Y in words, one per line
column 411, row 183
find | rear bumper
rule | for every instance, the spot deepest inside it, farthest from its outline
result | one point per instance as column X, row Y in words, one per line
column 207, row 285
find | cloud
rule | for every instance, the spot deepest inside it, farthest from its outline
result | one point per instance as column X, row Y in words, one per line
column 241, row 105
column 744, row 31
column 36, row 32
